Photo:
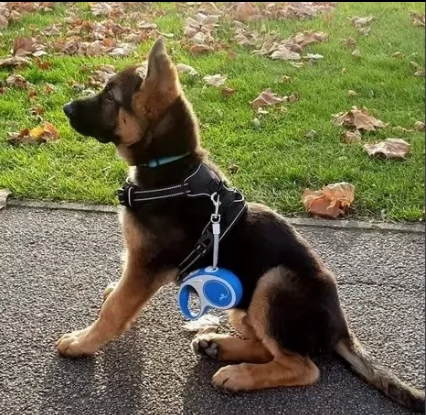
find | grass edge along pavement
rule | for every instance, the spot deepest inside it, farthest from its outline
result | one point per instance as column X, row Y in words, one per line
column 276, row 162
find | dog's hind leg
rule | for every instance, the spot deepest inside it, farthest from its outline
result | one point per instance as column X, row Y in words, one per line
column 283, row 368
column 119, row 310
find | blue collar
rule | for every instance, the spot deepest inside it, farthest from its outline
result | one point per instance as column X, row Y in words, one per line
column 163, row 160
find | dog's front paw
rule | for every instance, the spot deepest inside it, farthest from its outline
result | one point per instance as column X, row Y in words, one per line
column 205, row 345
column 233, row 378
column 74, row 344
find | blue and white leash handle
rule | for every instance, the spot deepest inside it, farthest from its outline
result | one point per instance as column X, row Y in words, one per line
column 216, row 287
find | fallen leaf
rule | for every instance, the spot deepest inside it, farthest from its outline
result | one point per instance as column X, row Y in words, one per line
column 356, row 53
column 285, row 78
column 227, row 91
column 256, row 123
column 401, row 130
column 420, row 71
column 17, row 81
column 330, row 202
column 362, row 21
column 183, row 68
column 42, row 65
column 349, row 42
column 360, row 119
column 197, row 49
column 233, row 168
column 215, row 80
column 23, row 46
column 313, row 56
column 100, row 9
column 37, row 135
column 351, row 137
column 14, row 62
column 364, row 30
column 285, row 54
column 49, row 89
column 4, row 194
column 311, row 134
column 37, row 110
column 101, row 76
column 267, row 97
column 419, row 126
column 351, row 93
column 418, row 19
column 397, row 55
column 389, row 148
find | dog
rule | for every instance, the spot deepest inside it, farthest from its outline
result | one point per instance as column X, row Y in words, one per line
column 290, row 310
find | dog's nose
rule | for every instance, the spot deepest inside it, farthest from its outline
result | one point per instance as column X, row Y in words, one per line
column 68, row 109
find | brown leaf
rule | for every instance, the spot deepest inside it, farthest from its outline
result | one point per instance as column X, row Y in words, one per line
column 306, row 38
column 17, row 81
column 285, row 54
column 49, row 89
column 101, row 76
column 37, row 110
column 4, row 194
column 349, row 42
column 23, row 46
column 418, row 19
column 14, row 62
column 42, row 65
column 100, row 9
column 38, row 135
column 331, row 201
column 351, row 137
column 360, row 119
column 233, row 168
column 227, row 91
column 267, row 97
column 198, row 49
column 419, row 126
column 390, row 148
column 215, row 80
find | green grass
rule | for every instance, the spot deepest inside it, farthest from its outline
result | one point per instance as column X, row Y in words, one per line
column 276, row 162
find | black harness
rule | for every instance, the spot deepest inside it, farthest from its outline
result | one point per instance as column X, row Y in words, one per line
column 204, row 183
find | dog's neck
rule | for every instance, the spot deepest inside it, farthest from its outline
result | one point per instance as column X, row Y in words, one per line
column 174, row 135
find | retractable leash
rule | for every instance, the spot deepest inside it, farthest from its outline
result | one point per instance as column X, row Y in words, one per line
column 216, row 287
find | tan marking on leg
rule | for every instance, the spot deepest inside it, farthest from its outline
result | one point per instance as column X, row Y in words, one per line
column 285, row 369
column 239, row 320
column 123, row 304
column 224, row 347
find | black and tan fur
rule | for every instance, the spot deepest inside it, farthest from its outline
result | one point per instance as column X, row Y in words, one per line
column 290, row 310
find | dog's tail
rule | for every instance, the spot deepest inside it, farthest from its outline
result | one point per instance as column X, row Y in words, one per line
column 351, row 350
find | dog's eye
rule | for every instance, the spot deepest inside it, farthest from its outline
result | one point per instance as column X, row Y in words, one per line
column 109, row 97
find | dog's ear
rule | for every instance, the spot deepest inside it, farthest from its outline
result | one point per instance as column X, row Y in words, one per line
column 160, row 67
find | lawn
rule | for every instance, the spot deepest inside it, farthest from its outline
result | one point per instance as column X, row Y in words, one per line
column 272, row 156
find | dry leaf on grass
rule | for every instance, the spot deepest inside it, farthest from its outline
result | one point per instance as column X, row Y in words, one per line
column 285, row 54
column 418, row 19
column 101, row 76
column 4, row 194
column 362, row 21
column 233, row 168
column 419, row 126
column 351, row 137
column 215, row 80
column 227, row 91
column 100, row 9
column 360, row 119
column 420, row 71
column 356, row 53
column 17, row 81
column 330, row 202
column 396, row 148
column 267, row 97
column 14, row 62
column 311, row 134
column 313, row 56
column 349, row 42
column 37, row 135
column 352, row 93
column 184, row 68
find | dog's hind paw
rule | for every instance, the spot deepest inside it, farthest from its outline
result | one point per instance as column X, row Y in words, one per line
column 205, row 345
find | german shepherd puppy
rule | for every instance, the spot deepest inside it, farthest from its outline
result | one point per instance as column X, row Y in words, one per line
column 290, row 310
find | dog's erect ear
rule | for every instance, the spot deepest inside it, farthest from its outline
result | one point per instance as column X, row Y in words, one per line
column 159, row 63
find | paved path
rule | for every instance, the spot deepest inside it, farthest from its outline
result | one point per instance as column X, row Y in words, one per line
column 55, row 264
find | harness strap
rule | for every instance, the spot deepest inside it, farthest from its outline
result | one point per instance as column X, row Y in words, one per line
column 202, row 182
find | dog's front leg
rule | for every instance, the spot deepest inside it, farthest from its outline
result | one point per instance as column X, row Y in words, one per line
column 119, row 310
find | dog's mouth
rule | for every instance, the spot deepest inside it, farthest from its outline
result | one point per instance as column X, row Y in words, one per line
column 85, row 123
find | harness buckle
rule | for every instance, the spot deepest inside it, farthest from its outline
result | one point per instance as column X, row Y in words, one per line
column 125, row 195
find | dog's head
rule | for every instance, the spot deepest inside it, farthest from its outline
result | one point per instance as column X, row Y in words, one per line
column 131, row 104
